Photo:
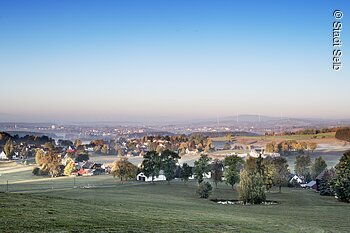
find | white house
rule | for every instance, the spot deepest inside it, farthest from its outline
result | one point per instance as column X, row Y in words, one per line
column 259, row 151
column 142, row 177
column 3, row 155
column 206, row 175
column 15, row 156
column 311, row 185
column 297, row 179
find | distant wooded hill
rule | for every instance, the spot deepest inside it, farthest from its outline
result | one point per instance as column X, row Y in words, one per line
column 29, row 139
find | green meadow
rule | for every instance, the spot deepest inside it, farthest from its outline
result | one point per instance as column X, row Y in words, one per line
column 104, row 204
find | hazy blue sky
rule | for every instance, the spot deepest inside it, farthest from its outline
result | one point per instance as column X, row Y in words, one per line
column 126, row 59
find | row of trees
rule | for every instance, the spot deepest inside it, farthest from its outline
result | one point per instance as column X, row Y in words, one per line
column 28, row 139
column 309, row 131
column 308, row 170
column 289, row 146
column 153, row 162
column 254, row 176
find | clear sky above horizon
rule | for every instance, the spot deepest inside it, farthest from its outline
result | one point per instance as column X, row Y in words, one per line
column 86, row 60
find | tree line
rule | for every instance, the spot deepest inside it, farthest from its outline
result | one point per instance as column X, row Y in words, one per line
column 290, row 146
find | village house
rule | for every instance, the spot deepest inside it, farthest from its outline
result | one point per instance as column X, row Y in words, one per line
column 3, row 155
column 311, row 185
column 142, row 177
column 296, row 179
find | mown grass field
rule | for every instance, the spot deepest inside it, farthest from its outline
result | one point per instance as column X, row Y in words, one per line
column 162, row 207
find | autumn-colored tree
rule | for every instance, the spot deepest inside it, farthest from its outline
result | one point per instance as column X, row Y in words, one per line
column 312, row 146
column 160, row 149
column 77, row 142
column 39, row 155
column 70, row 167
column 182, row 148
column 229, row 137
column 281, row 172
column 9, row 149
column 105, row 149
column 200, row 147
column 49, row 146
column 123, row 169
column 51, row 163
column 152, row 146
column 208, row 146
column 271, row 147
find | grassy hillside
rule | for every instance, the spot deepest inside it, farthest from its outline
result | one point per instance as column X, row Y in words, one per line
column 143, row 207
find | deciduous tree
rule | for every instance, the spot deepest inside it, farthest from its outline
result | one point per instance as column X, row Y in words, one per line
column 217, row 171
column 70, row 167
column 202, row 167
column 233, row 164
column 123, row 169
column 251, row 187
column 281, row 172
column 312, row 146
column 317, row 167
column 302, row 165
column 9, row 149
column 77, row 143
column 151, row 164
column 186, row 172
column 169, row 160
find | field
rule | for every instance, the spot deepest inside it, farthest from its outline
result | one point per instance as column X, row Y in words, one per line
column 103, row 204
column 295, row 137
column 330, row 148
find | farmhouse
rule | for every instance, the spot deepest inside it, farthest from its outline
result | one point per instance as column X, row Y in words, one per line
column 142, row 177
column 311, row 185
column 260, row 151
column 296, row 179
column 3, row 155
column 89, row 169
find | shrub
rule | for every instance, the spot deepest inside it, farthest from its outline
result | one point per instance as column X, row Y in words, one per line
column 204, row 190
column 36, row 171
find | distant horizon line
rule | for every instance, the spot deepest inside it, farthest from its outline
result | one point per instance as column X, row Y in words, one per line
column 153, row 120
